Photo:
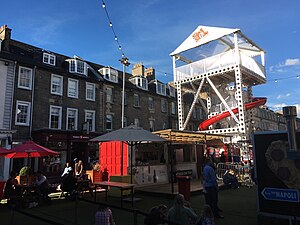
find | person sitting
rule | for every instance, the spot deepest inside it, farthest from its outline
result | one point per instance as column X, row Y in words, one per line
column 11, row 191
column 230, row 178
column 68, row 185
column 104, row 216
column 156, row 216
column 207, row 216
column 43, row 185
column 68, row 169
column 181, row 214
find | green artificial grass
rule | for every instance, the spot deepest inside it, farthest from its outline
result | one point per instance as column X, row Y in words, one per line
column 239, row 208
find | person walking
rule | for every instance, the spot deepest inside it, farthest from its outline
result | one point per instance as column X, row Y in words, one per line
column 180, row 214
column 210, row 187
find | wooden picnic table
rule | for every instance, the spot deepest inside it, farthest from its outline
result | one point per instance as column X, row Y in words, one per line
column 121, row 186
column 28, row 193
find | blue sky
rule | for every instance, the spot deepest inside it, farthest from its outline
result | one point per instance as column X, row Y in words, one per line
column 149, row 31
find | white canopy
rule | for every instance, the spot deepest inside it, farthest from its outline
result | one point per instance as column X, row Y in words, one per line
column 205, row 34
column 202, row 35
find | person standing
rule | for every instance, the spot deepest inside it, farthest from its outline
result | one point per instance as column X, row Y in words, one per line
column 210, row 187
column 181, row 214
column 79, row 169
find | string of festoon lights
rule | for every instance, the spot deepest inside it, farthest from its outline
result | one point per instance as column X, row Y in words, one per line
column 283, row 78
column 124, row 60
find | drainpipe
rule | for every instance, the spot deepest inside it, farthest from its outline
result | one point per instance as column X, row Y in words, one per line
column 32, row 100
column 12, row 96
column 290, row 114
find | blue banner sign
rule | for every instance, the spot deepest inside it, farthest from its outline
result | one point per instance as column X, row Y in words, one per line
column 285, row 195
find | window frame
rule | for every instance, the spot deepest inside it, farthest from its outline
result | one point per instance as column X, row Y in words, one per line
column 76, row 63
column 61, row 85
column 173, row 108
column 137, row 122
column 160, row 88
column 76, row 88
column 172, row 91
column 164, row 105
column 151, row 125
column 109, row 96
column 29, row 87
column 75, row 119
column 59, row 116
column 109, row 74
column 93, row 90
column 109, row 116
column 136, row 97
column 151, row 105
column 50, row 56
column 93, row 125
column 23, row 103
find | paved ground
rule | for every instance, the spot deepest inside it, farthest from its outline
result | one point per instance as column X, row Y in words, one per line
column 239, row 206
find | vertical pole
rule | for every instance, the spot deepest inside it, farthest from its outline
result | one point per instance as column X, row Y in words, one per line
column 125, row 63
column 123, row 103
column 123, row 95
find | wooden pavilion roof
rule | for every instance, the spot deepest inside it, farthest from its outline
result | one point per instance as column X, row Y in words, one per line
column 188, row 136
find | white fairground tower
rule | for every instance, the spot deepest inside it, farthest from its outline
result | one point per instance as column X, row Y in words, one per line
column 219, row 65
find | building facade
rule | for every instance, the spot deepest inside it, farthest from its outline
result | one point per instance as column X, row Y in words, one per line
column 61, row 102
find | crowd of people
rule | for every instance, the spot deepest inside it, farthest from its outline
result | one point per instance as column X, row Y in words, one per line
column 180, row 213
column 14, row 188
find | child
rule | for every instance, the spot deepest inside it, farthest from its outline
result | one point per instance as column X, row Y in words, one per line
column 104, row 216
column 207, row 216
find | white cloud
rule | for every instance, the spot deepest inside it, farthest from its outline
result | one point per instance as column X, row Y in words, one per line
column 282, row 66
column 283, row 96
column 292, row 62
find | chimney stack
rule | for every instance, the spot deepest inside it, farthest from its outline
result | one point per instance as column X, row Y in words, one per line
column 5, row 34
column 150, row 73
column 138, row 69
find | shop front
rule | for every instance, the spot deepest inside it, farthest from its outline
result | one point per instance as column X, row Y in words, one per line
column 70, row 145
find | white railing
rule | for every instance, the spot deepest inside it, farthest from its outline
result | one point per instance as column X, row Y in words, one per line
column 217, row 62
column 252, row 65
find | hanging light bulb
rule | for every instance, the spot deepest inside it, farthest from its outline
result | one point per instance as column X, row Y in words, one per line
column 165, row 74
column 275, row 81
column 110, row 24
column 120, row 47
column 297, row 77
column 116, row 38
column 103, row 5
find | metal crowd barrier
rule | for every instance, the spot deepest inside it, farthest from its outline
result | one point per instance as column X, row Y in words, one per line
column 242, row 172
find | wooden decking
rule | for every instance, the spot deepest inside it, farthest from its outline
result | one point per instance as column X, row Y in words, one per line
column 166, row 188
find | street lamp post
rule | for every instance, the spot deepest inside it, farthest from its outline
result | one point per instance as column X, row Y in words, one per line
column 124, row 61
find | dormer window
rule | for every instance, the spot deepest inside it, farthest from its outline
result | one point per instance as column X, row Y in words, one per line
column 49, row 59
column 109, row 74
column 160, row 88
column 77, row 66
column 172, row 91
column 140, row 82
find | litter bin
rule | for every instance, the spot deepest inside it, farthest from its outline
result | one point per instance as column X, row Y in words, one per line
column 184, row 186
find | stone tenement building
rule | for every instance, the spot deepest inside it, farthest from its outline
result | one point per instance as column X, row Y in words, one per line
column 61, row 102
